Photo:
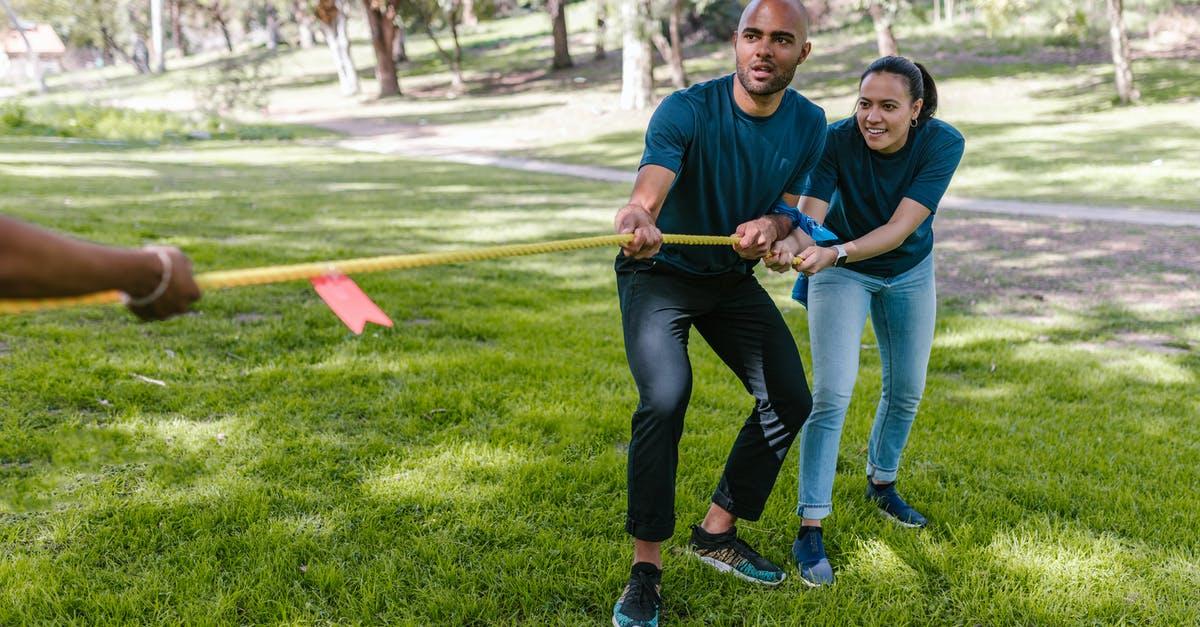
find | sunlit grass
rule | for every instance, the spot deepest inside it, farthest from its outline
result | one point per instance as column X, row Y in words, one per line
column 467, row 465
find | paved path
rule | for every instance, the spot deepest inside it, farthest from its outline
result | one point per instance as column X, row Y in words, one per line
column 403, row 144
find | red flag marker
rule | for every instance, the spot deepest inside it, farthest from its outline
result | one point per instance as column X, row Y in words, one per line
column 349, row 302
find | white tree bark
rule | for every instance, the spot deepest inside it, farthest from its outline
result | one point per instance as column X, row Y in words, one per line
column 1120, row 53
column 338, row 38
column 158, row 35
column 637, row 62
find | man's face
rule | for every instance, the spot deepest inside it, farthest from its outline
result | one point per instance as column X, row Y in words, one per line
column 770, row 42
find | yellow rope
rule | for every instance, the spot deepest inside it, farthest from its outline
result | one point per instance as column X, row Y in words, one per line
column 278, row 274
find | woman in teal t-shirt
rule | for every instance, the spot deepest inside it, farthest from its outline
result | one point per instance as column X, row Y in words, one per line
column 877, row 187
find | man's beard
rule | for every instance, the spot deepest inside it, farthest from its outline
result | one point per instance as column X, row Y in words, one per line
column 776, row 84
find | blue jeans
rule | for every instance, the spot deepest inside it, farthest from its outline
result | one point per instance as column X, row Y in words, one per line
column 903, row 310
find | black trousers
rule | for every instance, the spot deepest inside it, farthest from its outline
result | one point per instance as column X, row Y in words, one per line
column 732, row 312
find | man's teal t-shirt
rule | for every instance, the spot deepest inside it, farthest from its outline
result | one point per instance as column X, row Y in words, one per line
column 864, row 187
column 729, row 167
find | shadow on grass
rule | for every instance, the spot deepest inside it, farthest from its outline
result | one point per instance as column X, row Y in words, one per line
column 435, row 471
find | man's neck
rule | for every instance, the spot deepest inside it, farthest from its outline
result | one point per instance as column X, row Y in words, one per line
column 751, row 104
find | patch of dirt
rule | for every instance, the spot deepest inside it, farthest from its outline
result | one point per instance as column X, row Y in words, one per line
column 1029, row 268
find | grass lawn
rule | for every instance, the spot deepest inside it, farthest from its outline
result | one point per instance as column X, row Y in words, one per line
column 467, row 466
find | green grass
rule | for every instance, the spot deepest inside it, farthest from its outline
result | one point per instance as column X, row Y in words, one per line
column 467, row 466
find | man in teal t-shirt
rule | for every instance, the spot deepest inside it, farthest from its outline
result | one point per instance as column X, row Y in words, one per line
column 717, row 156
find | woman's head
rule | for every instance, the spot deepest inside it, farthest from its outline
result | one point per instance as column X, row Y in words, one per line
column 894, row 95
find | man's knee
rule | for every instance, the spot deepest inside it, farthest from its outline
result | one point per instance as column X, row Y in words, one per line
column 792, row 407
column 662, row 403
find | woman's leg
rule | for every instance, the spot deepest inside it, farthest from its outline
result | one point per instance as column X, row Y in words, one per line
column 904, row 314
column 838, row 301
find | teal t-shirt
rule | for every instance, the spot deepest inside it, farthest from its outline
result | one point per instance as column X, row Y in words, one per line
column 730, row 167
column 864, row 187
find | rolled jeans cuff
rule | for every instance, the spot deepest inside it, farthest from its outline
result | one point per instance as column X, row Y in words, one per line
column 648, row 533
column 880, row 475
column 814, row 512
column 722, row 500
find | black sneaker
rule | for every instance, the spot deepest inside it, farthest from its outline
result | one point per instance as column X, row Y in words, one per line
column 639, row 603
column 728, row 554
column 894, row 507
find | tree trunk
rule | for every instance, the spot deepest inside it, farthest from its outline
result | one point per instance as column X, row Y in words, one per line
column 468, row 13
column 399, row 51
column 672, row 51
column 558, row 21
column 111, row 47
column 1119, row 40
column 272, row 27
column 884, row 38
column 381, row 16
column 158, row 37
column 331, row 14
column 177, row 37
column 637, row 61
column 218, row 16
column 456, row 76
column 937, row 12
column 601, row 29
column 452, row 61
column 949, row 13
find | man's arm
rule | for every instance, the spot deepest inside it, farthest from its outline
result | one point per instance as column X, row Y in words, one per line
column 36, row 263
column 640, row 214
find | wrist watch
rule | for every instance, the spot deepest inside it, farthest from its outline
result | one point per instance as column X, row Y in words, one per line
column 841, row 255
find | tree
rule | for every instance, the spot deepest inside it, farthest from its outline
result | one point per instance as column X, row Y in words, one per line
column 448, row 13
column 1126, row 91
column 558, row 22
column 381, row 18
column 637, row 61
column 882, row 16
column 331, row 14
column 158, row 37
column 672, row 50
column 175, row 8
column 601, row 29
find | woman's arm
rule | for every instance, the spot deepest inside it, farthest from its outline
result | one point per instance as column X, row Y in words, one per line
column 786, row 249
column 908, row 216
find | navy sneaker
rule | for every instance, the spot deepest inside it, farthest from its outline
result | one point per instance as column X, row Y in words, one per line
column 640, row 602
column 893, row 506
column 728, row 554
column 808, row 551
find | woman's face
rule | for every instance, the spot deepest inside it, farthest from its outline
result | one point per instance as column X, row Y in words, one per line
column 885, row 111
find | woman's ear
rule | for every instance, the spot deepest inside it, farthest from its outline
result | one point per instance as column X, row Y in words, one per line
column 918, row 104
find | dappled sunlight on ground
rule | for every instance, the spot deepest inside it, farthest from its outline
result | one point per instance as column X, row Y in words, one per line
column 875, row 563
column 454, row 472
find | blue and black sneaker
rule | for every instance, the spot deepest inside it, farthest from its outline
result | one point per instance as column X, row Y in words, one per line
column 639, row 603
column 728, row 554
column 808, row 551
column 894, row 507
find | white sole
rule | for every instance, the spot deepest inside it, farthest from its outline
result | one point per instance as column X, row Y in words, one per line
column 726, row 568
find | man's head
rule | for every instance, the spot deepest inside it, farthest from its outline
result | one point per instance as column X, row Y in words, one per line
column 771, row 40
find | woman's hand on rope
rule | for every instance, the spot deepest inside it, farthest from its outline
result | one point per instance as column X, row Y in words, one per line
column 647, row 239
column 816, row 259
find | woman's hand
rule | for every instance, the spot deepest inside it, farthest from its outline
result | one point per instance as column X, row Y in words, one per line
column 816, row 259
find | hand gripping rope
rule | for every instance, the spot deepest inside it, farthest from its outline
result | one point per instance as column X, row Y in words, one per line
column 279, row 274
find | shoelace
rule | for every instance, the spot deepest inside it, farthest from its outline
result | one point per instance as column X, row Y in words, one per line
column 644, row 591
column 744, row 549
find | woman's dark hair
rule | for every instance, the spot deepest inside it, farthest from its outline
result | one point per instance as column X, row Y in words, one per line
column 920, row 83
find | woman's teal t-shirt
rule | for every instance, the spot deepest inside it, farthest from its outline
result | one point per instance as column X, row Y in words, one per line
column 864, row 187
